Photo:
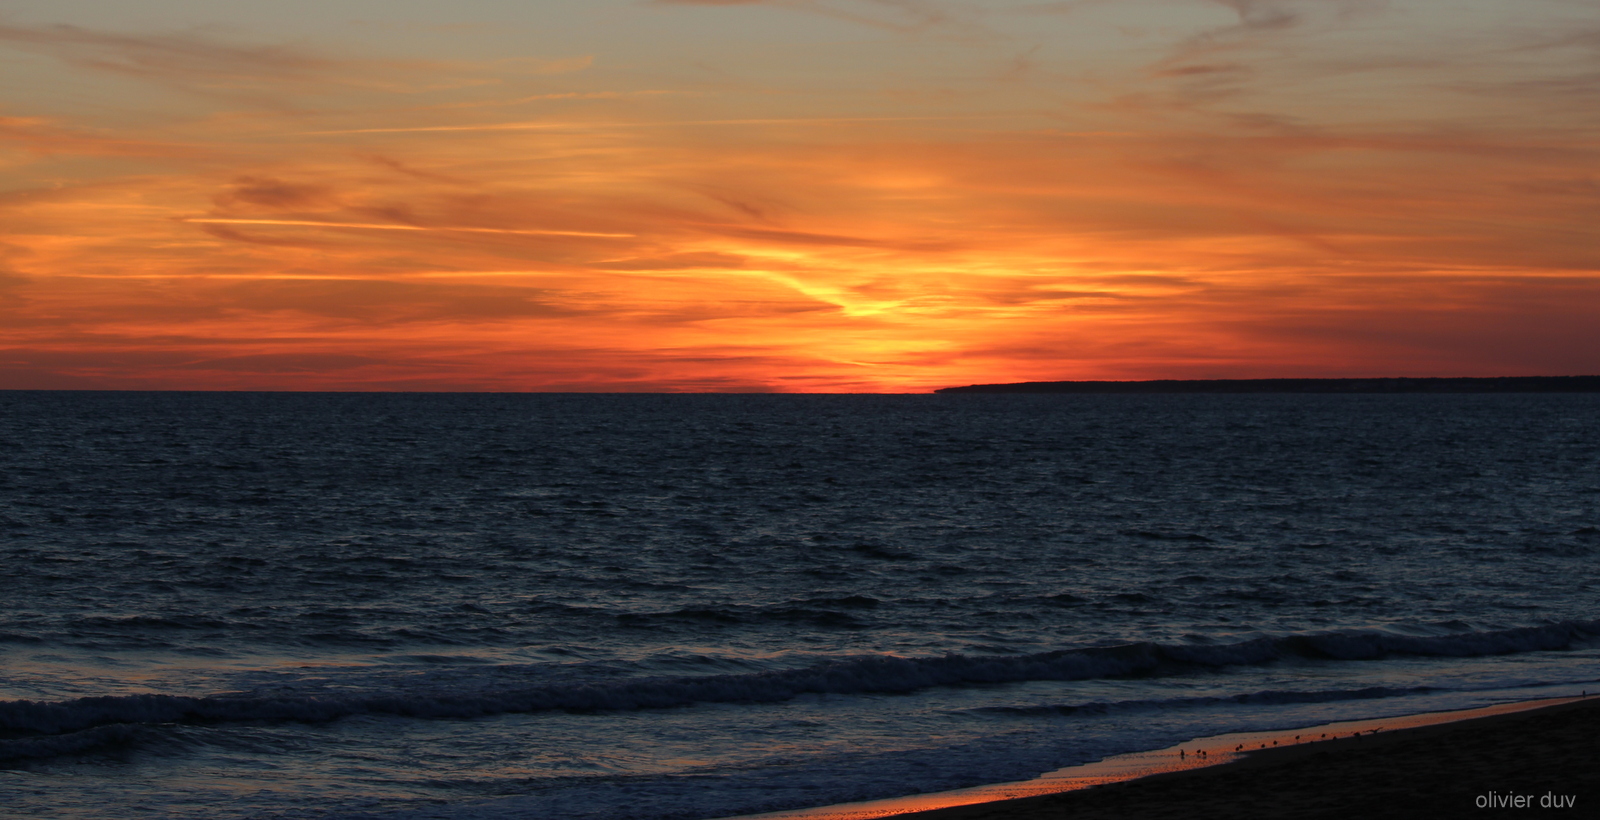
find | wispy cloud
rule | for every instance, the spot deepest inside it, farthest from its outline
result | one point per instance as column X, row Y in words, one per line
column 591, row 126
column 199, row 61
column 1295, row 186
column 553, row 97
column 1269, row 43
column 893, row 15
column 375, row 226
column 689, row 260
column 41, row 135
column 187, row 54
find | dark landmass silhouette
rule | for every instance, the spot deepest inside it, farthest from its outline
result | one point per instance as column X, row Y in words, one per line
column 1496, row 384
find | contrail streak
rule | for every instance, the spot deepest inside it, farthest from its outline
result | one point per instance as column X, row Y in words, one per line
column 390, row 227
column 538, row 126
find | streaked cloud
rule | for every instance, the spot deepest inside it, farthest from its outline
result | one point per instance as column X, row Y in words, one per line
column 379, row 226
column 935, row 193
column 41, row 135
column 894, row 15
column 600, row 126
column 180, row 53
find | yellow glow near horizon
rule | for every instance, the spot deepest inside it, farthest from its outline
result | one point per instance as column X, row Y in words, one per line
column 850, row 196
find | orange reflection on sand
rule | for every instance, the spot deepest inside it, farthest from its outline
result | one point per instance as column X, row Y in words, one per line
column 1194, row 754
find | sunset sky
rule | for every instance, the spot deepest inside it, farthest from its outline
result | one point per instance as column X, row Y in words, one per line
column 793, row 195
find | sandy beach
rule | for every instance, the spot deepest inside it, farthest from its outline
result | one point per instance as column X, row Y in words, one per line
column 1543, row 762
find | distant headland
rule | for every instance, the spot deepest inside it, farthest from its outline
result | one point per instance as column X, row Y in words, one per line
column 1497, row 384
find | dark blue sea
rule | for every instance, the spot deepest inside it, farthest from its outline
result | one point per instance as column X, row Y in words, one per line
column 677, row 607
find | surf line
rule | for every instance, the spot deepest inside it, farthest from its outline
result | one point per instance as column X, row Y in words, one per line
column 1217, row 750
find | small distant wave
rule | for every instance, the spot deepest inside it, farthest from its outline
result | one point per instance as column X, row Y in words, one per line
column 809, row 615
column 98, row 739
column 142, row 622
column 29, row 722
column 1273, row 697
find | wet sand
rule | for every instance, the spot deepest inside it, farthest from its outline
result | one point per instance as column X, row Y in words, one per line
column 1443, row 770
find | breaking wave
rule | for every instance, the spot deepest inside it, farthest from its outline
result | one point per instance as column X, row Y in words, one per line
column 45, row 728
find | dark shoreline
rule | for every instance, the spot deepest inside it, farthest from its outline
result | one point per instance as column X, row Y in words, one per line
column 1430, row 771
column 1498, row 384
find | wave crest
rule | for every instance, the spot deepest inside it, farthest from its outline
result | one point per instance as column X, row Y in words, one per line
column 25, row 721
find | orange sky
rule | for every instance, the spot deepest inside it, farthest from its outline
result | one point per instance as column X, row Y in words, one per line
column 794, row 195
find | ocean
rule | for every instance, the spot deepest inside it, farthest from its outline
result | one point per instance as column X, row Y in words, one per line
column 679, row 607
